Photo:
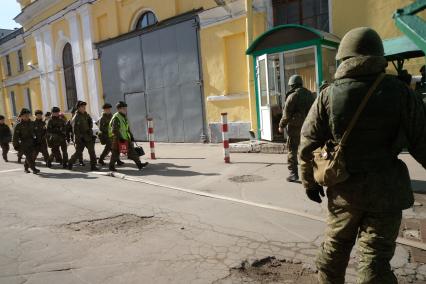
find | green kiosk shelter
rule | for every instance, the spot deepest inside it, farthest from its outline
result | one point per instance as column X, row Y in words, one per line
column 281, row 52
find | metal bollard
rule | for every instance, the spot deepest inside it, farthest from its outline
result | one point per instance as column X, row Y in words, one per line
column 151, row 137
column 225, row 137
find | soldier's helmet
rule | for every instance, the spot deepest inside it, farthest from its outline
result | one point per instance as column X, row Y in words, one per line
column 295, row 80
column 361, row 41
column 56, row 110
column 25, row 111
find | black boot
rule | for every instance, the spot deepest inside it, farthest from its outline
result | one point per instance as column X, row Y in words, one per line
column 101, row 162
column 112, row 168
column 93, row 168
column 35, row 171
column 120, row 163
column 142, row 165
column 81, row 163
column 294, row 176
column 49, row 164
column 70, row 165
column 26, row 170
column 19, row 160
column 65, row 165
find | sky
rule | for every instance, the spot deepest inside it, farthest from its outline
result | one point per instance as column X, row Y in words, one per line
column 8, row 10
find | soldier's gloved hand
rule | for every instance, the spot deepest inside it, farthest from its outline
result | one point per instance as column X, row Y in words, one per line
column 315, row 193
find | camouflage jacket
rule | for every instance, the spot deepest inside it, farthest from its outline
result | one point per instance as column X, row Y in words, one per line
column 56, row 131
column 297, row 105
column 5, row 134
column 393, row 118
column 104, row 127
column 24, row 136
column 83, row 125
column 40, row 130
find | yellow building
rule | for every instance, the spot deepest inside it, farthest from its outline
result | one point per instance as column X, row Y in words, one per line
column 182, row 62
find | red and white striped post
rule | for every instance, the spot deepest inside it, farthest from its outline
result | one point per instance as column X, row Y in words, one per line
column 225, row 137
column 151, row 138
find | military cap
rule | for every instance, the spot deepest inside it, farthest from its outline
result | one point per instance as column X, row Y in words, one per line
column 106, row 106
column 80, row 103
column 121, row 104
column 25, row 111
column 56, row 109
column 38, row 112
column 295, row 80
column 361, row 41
column 1, row 117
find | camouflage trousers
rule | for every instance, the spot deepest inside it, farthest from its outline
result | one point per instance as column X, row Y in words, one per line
column 293, row 142
column 79, row 148
column 376, row 233
column 5, row 149
column 42, row 148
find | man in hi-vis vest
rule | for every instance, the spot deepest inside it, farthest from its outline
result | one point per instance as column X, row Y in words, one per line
column 119, row 132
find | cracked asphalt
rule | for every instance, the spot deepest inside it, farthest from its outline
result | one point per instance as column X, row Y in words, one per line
column 79, row 227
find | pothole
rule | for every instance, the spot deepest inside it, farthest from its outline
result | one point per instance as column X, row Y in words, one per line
column 247, row 178
column 122, row 223
column 271, row 270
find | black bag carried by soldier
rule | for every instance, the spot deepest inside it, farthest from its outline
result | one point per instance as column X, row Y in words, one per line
column 139, row 150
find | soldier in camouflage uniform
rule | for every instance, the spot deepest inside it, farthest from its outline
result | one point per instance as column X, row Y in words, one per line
column 70, row 135
column 103, row 133
column 56, row 135
column 367, row 206
column 83, row 125
column 5, row 138
column 119, row 131
column 298, row 102
column 41, row 133
column 25, row 140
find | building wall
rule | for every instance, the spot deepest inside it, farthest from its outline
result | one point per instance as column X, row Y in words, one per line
column 347, row 14
column 225, row 73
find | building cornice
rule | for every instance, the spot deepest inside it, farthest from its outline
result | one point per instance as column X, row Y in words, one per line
column 21, row 78
column 59, row 15
column 33, row 10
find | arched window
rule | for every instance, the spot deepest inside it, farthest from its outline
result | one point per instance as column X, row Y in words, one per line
column 70, row 88
column 147, row 19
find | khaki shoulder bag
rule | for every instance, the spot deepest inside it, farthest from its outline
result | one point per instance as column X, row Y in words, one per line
column 329, row 163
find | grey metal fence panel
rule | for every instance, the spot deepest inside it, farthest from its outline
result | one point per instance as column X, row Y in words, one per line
column 137, row 114
column 157, row 110
column 122, row 72
column 192, row 113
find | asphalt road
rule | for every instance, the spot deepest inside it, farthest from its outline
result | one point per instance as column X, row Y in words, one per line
column 80, row 227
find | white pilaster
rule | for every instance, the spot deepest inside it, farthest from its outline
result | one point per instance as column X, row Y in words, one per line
column 38, row 38
column 77, row 53
column 49, row 55
column 91, row 68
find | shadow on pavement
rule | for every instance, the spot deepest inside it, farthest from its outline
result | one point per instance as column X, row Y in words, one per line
column 70, row 175
column 164, row 169
column 260, row 163
column 419, row 186
column 181, row 158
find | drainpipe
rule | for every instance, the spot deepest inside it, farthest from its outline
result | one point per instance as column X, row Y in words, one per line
column 249, row 62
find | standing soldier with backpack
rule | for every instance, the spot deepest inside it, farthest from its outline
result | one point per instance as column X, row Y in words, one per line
column 382, row 115
column 56, row 138
column 298, row 102
column 25, row 139
column 41, row 133
column 119, row 132
column 5, row 138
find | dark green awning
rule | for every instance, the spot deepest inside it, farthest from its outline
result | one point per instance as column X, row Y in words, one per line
column 401, row 48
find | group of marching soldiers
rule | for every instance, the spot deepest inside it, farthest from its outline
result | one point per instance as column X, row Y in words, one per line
column 54, row 131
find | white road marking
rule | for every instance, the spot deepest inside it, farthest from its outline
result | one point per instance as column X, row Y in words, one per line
column 9, row 171
column 402, row 241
